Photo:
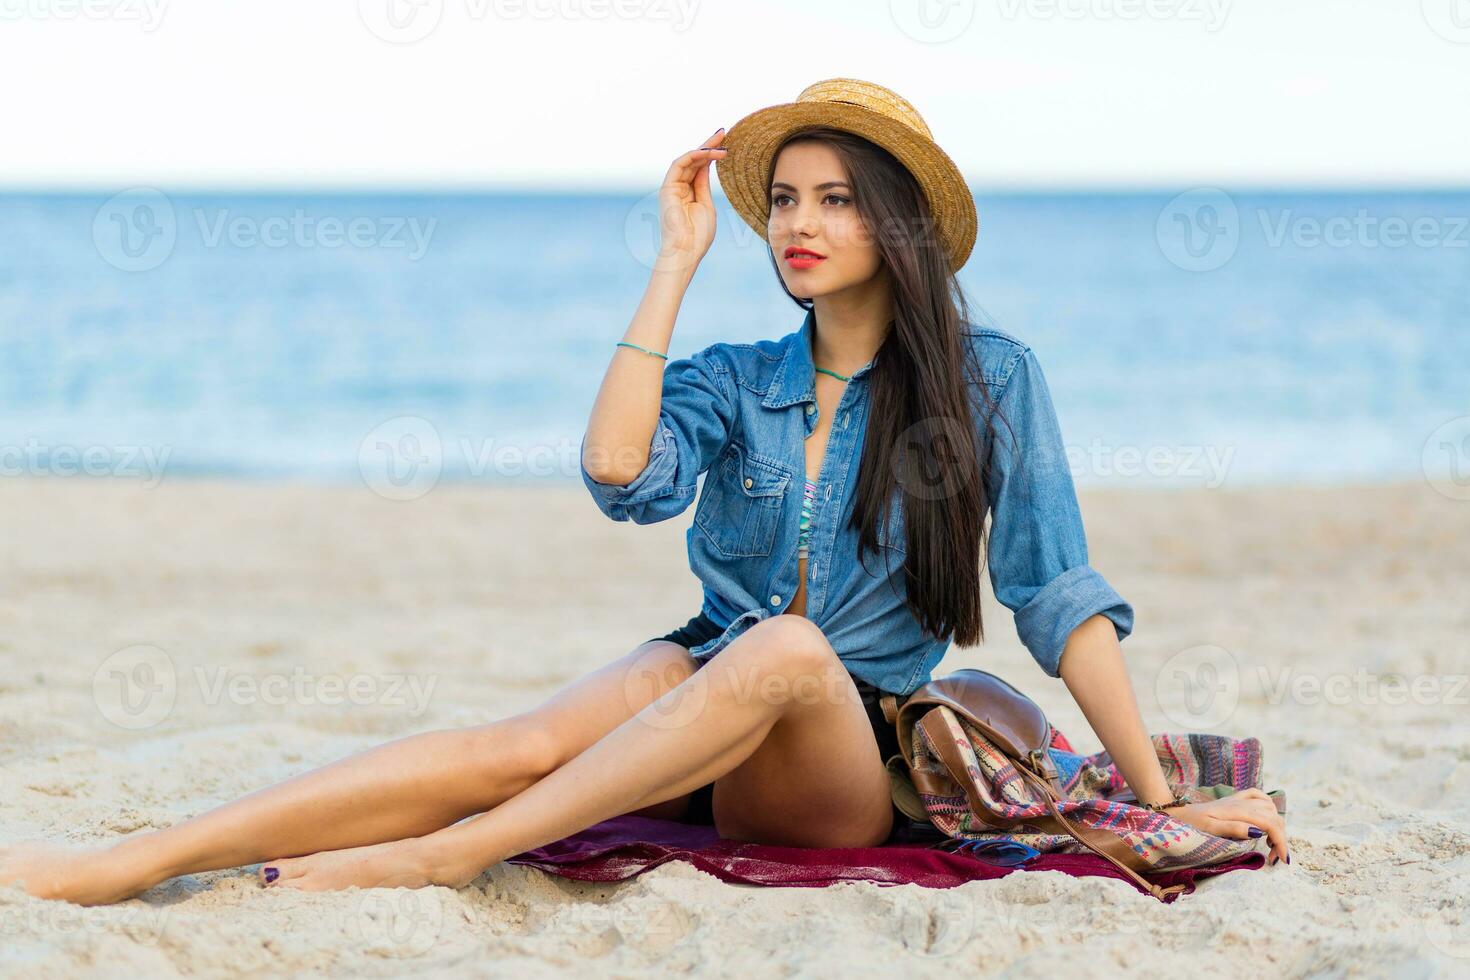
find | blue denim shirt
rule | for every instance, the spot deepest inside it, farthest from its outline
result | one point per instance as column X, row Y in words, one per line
column 742, row 412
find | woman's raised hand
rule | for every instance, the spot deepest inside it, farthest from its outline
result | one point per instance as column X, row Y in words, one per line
column 686, row 208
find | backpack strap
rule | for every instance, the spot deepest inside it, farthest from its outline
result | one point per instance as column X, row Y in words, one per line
column 889, row 703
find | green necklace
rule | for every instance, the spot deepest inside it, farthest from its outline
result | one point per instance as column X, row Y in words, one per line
column 839, row 377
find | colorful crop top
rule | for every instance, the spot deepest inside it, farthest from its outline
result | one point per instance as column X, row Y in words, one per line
column 809, row 495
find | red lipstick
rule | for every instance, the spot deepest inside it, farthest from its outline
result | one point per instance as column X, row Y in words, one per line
column 798, row 257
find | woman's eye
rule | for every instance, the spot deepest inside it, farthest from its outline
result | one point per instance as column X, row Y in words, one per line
column 778, row 198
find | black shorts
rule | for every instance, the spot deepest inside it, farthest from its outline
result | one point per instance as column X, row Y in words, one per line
column 702, row 629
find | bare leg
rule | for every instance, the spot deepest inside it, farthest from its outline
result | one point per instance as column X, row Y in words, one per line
column 779, row 683
column 404, row 789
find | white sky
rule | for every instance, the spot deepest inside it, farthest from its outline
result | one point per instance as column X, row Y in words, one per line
column 576, row 93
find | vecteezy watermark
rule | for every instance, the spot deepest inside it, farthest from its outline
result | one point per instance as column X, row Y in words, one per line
column 652, row 926
column 1447, row 925
column 1450, row 19
column 135, row 230
column 1363, row 687
column 1363, row 229
column 927, row 461
column 401, row 21
column 398, row 918
column 403, row 458
column 141, row 922
column 304, row 230
column 147, row 14
column 36, row 458
column 138, row 229
column 409, row 21
column 1209, row 13
column 1446, row 458
column 411, row 691
column 660, row 694
column 932, row 21
column 138, row 686
column 1205, row 464
column 934, row 922
column 1200, row 230
column 1199, row 687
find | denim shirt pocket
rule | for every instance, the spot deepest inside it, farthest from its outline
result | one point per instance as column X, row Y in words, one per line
column 740, row 506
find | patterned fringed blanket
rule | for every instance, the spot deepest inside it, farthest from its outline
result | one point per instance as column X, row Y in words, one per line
column 1201, row 766
column 919, row 853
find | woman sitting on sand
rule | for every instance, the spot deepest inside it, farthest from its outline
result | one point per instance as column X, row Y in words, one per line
column 838, row 446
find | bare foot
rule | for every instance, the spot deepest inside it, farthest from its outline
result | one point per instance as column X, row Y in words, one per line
column 84, row 875
column 396, row 864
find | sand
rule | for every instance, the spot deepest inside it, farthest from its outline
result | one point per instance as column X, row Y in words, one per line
column 1335, row 620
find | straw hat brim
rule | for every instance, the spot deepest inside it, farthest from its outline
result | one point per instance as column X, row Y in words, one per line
column 745, row 171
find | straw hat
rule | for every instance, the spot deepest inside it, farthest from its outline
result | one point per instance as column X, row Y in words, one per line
column 872, row 112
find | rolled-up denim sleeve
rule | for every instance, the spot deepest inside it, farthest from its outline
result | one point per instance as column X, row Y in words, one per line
column 1037, row 549
column 695, row 419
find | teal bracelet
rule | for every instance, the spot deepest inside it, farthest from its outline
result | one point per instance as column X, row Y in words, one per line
column 624, row 343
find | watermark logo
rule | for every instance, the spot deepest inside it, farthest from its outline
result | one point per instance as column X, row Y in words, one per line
column 656, row 690
column 1446, row 459
column 135, row 688
column 935, row 923
column 1199, row 688
column 401, row 21
column 138, row 686
column 135, row 230
column 932, row 21
column 402, row 458
column 406, row 457
column 1450, row 19
column 1199, row 230
column 927, row 463
column 138, row 229
column 1447, row 926
column 399, row 919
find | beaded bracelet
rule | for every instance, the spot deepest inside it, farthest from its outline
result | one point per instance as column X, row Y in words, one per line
column 624, row 343
column 1180, row 800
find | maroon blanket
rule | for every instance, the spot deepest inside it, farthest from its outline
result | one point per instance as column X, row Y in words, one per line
column 624, row 847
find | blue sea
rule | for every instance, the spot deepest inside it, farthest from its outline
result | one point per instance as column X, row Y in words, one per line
column 1189, row 336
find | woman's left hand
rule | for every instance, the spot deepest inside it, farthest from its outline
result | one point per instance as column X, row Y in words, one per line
column 1234, row 816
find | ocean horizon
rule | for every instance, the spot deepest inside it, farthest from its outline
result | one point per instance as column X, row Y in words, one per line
column 1196, row 337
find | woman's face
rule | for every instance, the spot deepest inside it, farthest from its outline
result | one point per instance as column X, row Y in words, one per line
column 812, row 209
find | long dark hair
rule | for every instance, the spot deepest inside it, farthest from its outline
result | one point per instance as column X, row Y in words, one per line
column 921, row 437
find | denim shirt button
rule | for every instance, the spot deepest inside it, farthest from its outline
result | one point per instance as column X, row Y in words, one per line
column 811, row 409
column 775, row 600
column 749, row 483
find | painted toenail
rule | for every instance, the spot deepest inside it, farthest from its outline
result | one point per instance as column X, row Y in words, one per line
column 271, row 874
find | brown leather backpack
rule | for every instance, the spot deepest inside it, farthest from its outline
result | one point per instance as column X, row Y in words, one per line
column 1016, row 726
